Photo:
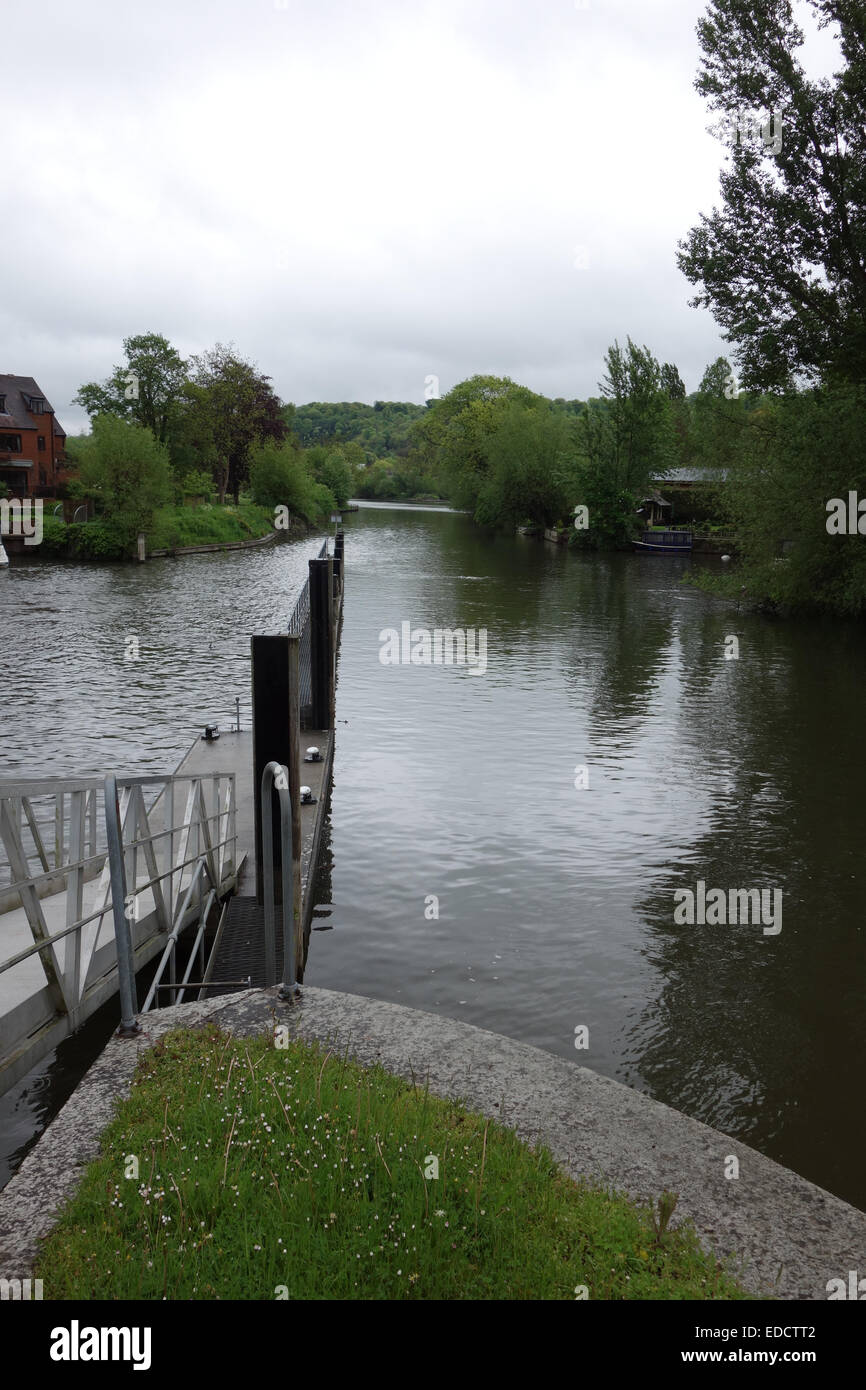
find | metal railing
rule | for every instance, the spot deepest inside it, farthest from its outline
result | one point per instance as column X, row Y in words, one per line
column 156, row 871
column 299, row 626
column 275, row 778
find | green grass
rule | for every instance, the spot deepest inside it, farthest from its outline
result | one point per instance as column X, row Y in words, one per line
column 175, row 527
column 268, row 1172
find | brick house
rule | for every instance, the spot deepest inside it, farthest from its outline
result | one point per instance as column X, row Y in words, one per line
column 32, row 442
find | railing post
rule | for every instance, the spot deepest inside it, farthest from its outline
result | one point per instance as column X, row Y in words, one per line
column 274, row 777
column 276, row 731
column 322, row 653
column 294, row 768
column 129, row 1025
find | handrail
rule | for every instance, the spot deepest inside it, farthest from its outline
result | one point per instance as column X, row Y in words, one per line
column 275, row 778
column 199, row 844
column 129, row 1025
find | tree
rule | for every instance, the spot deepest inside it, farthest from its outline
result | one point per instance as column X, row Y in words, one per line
column 782, row 264
column 796, row 454
column 281, row 477
column 643, row 435
column 672, row 383
column 128, row 469
column 530, row 472
column 146, row 391
column 336, row 474
column 229, row 407
column 451, row 440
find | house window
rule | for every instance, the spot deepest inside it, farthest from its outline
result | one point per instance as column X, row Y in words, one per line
column 40, row 443
column 10, row 443
column 2, row 404
column 43, row 477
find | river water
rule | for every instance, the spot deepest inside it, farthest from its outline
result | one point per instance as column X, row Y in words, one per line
column 555, row 900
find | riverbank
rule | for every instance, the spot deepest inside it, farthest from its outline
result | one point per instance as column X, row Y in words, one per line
column 174, row 531
column 783, row 1236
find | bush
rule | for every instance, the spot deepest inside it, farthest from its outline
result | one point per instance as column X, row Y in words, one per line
column 280, row 477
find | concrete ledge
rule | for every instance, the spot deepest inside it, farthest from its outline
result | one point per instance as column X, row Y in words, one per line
column 787, row 1236
column 220, row 545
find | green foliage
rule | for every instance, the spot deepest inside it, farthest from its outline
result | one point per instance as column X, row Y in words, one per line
column 793, row 455
column 662, row 1213
column 196, row 483
column 175, row 527
column 145, row 391
column 781, row 263
column 128, row 470
column 287, row 1172
column 334, row 472
column 281, row 477
column 229, row 408
column 374, row 431
column 452, row 439
column 530, row 471
column 641, row 444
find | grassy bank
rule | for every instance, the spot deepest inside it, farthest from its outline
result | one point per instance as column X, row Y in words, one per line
column 172, row 528
column 239, row 1169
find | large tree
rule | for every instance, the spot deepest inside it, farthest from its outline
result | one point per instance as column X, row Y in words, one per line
column 146, row 390
column 451, row 440
column 128, row 469
column 230, row 407
column 782, row 264
column 639, row 407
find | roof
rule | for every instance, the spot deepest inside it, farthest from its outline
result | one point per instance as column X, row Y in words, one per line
column 689, row 474
column 17, row 389
column 656, row 497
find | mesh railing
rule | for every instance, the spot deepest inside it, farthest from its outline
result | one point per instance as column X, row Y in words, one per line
column 299, row 626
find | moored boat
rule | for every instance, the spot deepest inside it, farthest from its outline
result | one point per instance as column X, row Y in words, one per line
column 670, row 542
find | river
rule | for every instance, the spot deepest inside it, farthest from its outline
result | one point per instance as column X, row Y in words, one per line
column 455, row 793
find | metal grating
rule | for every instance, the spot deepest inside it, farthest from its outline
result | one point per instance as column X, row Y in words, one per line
column 242, row 948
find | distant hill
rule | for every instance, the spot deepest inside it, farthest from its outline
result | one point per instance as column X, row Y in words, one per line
column 382, row 430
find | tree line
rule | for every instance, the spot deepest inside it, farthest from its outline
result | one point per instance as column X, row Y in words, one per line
column 164, row 429
column 781, row 264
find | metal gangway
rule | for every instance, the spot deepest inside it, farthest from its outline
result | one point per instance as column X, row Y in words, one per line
column 96, row 872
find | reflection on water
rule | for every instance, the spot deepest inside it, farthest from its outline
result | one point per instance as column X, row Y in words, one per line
column 555, row 902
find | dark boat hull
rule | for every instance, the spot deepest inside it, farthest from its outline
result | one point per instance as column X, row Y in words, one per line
column 663, row 549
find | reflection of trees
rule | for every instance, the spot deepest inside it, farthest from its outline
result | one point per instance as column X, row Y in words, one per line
column 636, row 621
column 758, row 1035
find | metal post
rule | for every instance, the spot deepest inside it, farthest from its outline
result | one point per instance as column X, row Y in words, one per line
column 274, row 733
column 129, row 1025
column 294, row 766
column 274, row 778
column 321, row 641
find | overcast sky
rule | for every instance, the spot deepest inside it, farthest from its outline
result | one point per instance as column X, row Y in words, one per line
column 356, row 193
